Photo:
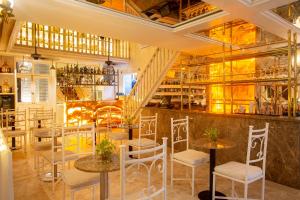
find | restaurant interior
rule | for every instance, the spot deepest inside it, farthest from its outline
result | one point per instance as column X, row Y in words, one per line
column 149, row 100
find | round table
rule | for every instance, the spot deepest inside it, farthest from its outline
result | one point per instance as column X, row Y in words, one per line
column 213, row 146
column 94, row 164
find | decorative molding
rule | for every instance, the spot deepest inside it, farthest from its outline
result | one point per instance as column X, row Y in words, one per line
column 279, row 20
column 251, row 3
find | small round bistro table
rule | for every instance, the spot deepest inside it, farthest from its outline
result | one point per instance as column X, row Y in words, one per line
column 213, row 146
column 94, row 164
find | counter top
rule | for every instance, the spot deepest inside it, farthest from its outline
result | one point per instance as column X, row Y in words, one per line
column 249, row 116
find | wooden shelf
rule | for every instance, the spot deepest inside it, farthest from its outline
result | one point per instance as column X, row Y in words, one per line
column 184, row 86
column 7, row 93
column 7, row 74
column 169, row 93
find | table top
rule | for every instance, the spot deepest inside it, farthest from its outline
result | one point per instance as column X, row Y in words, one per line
column 94, row 164
column 219, row 144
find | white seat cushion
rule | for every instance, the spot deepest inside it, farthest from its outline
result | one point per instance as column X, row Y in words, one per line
column 75, row 178
column 237, row 170
column 58, row 156
column 191, row 157
column 144, row 142
column 118, row 136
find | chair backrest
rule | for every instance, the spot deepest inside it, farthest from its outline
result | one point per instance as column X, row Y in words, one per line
column 149, row 163
column 257, row 146
column 148, row 126
column 73, row 140
column 13, row 119
column 44, row 117
column 180, row 132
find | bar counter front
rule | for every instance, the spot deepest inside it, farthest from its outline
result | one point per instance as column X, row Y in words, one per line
column 283, row 154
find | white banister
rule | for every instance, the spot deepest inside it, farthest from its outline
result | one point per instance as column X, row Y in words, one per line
column 149, row 80
column 6, row 176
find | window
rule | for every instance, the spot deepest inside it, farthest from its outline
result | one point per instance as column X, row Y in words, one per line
column 128, row 82
column 32, row 82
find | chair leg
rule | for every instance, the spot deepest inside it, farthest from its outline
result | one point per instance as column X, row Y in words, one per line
column 139, row 157
column 246, row 191
column 214, row 187
column 263, row 189
column 72, row 194
column 193, row 181
column 25, row 144
column 38, row 164
column 34, row 160
column 53, row 179
column 232, row 188
column 93, row 192
column 64, row 191
column 172, row 171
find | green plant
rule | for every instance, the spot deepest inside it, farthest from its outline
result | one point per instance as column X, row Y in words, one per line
column 212, row 134
column 128, row 120
column 105, row 149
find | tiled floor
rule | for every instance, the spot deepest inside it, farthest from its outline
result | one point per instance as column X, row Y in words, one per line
column 27, row 185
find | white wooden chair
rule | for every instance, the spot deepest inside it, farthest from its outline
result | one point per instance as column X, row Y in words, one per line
column 73, row 178
column 147, row 133
column 13, row 123
column 188, row 157
column 151, row 191
column 246, row 173
column 41, row 122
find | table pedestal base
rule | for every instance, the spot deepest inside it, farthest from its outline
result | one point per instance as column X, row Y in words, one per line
column 206, row 195
column 103, row 186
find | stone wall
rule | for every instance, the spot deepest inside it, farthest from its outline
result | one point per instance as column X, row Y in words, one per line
column 283, row 157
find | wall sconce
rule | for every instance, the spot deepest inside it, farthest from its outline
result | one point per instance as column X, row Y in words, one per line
column 6, row 8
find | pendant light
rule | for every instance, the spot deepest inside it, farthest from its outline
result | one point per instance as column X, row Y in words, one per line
column 22, row 67
column 52, row 66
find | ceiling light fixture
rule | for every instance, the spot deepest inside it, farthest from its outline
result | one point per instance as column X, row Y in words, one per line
column 53, row 67
column 6, row 9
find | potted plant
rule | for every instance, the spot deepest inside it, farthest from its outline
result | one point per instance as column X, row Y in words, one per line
column 105, row 149
column 212, row 134
column 128, row 120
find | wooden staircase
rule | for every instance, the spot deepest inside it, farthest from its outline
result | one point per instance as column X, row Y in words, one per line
column 148, row 81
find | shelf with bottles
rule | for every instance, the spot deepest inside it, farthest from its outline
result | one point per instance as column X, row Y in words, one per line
column 6, row 65
column 70, row 75
column 86, row 70
column 178, row 91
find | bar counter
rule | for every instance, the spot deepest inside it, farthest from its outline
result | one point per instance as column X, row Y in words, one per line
column 283, row 157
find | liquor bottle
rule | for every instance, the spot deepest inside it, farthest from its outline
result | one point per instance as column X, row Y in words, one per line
column 5, row 87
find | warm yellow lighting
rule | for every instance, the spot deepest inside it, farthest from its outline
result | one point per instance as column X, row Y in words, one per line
column 55, row 38
column 242, row 95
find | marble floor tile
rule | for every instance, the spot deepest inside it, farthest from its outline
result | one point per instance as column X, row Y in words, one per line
column 28, row 186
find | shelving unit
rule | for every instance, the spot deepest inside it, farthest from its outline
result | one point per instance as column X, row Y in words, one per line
column 178, row 92
column 73, row 77
column 8, row 99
